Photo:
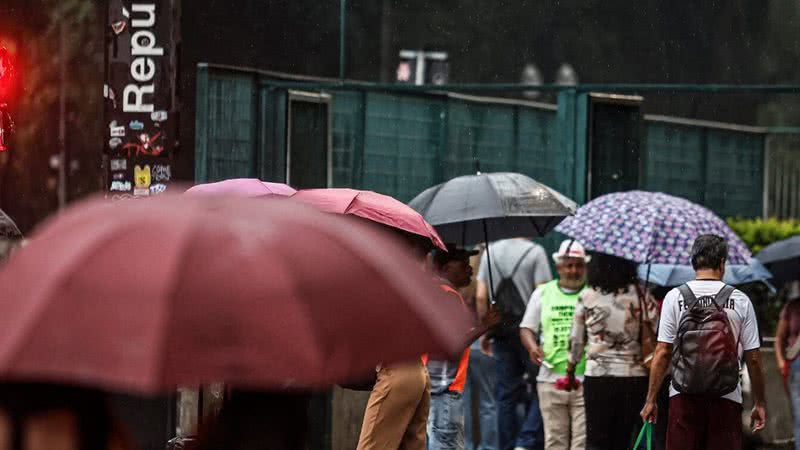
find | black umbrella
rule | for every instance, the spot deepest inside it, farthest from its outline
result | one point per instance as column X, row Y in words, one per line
column 492, row 206
column 782, row 258
column 8, row 229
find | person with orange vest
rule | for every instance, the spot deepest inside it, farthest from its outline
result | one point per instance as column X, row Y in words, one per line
column 446, row 417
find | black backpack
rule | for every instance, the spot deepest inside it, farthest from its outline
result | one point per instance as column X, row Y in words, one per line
column 705, row 357
column 509, row 302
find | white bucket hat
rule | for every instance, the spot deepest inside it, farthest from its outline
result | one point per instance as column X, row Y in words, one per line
column 571, row 248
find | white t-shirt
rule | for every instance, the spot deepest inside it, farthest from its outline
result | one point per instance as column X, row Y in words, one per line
column 740, row 313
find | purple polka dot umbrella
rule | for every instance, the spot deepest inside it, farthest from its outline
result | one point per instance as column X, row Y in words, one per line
column 648, row 227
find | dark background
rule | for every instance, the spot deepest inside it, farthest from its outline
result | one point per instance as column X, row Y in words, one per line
column 613, row 41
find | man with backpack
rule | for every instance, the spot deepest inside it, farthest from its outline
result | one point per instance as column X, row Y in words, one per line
column 517, row 267
column 706, row 328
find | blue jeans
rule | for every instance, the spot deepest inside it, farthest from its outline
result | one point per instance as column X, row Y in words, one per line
column 794, row 392
column 481, row 381
column 512, row 364
column 446, row 422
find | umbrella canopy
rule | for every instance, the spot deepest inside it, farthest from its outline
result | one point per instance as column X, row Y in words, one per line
column 148, row 295
column 242, row 187
column 492, row 206
column 648, row 227
column 8, row 229
column 371, row 206
column 676, row 275
column 783, row 259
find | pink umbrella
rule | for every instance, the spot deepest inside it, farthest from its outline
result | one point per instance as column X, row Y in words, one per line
column 242, row 187
column 172, row 291
column 371, row 206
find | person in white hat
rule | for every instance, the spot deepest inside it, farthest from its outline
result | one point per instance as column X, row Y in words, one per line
column 550, row 309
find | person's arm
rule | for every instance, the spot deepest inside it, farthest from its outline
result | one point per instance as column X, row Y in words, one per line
column 529, row 327
column 658, row 371
column 668, row 327
column 780, row 342
column 531, row 343
column 481, row 300
column 758, row 417
column 577, row 338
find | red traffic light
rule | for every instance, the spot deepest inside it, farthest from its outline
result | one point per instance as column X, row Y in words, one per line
column 7, row 72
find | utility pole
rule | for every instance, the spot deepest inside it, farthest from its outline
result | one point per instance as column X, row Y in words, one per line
column 63, row 157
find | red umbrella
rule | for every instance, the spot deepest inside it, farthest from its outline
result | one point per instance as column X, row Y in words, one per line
column 371, row 206
column 242, row 187
column 148, row 295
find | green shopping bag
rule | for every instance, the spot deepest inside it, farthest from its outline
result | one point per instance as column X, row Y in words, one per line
column 648, row 428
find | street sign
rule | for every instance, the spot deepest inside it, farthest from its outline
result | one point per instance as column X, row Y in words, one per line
column 138, row 97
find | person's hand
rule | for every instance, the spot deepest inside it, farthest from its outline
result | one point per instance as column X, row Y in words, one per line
column 758, row 418
column 492, row 318
column 573, row 382
column 486, row 346
column 536, row 355
column 649, row 412
column 783, row 367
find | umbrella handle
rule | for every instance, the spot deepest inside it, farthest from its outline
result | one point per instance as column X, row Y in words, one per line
column 489, row 263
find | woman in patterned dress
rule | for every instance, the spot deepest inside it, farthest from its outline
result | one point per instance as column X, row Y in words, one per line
column 607, row 326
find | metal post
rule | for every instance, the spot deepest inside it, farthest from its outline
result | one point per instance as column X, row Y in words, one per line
column 342, row 12
column 63, row 162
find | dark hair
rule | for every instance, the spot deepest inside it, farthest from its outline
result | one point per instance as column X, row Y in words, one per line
column 609, row 274
column 709, row 252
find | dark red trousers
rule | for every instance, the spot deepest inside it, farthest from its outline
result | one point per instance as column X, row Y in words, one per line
column 699, row 422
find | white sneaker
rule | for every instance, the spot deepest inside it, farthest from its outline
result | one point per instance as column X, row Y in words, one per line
column 520, row 448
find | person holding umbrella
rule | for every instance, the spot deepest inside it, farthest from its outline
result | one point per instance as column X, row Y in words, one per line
column 448, row 378
column 521, row 265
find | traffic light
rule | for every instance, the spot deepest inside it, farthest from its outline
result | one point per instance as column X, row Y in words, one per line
column 7, row 79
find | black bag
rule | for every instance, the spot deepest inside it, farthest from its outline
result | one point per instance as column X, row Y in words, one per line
column 509, row 303
column 705, row 356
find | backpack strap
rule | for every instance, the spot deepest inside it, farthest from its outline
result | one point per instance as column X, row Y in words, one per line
column 723, row 295
column 688, row 296
column 514, row 270
column 519, row 262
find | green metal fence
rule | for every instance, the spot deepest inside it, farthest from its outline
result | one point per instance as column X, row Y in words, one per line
column 400, row 143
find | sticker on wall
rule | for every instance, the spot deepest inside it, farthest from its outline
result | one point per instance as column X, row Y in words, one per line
column 158, row 188
column 118, row 176
column 161, row 172
column 141, row 192
column 136, row 125
column 158, row 116
column 121, row 186
column 119, row 27
column 141, row 176
column 114, row 142
column 118, row 132
column 119, row 164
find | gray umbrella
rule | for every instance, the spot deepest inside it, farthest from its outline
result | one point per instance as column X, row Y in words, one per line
column 783, row 259
column 8, row 229
column 492, row 206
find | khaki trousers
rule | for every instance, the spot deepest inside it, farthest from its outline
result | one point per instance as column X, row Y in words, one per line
column 564, row 417
column 397, row 412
